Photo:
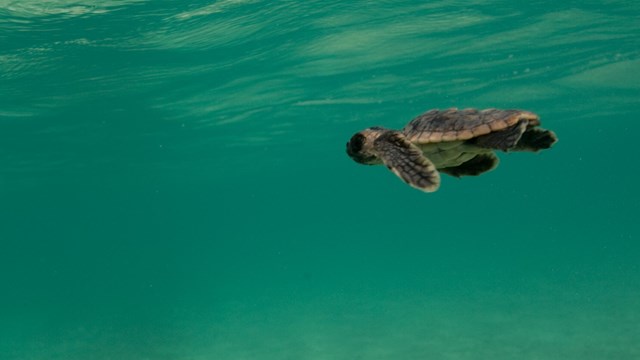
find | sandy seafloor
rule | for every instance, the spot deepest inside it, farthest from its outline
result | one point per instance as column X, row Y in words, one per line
column 174, row 183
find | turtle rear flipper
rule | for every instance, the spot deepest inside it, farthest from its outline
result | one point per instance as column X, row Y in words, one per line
column 536, row 139
column 479, row 164
column 504, row 139
column 407, row 161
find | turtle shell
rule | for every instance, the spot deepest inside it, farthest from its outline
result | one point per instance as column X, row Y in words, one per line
column 452, row 124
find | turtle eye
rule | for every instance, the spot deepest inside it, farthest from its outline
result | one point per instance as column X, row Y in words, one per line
column 356, row 143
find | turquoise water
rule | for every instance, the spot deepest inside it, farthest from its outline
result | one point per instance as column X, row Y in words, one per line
column 174, row 183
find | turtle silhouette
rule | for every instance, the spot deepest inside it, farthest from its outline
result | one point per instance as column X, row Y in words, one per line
column 454, row 142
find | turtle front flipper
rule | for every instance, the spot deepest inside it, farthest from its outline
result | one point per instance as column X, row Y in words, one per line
column 407, row 161
column 481, row 163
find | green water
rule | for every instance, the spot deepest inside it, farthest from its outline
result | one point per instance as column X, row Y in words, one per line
column 174, row 183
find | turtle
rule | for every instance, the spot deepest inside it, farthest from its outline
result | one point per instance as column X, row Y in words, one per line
column 455, row 142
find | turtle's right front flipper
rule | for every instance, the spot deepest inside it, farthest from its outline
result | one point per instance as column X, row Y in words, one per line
column 407, row 161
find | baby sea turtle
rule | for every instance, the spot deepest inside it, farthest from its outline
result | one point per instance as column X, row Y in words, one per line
column 455, row 142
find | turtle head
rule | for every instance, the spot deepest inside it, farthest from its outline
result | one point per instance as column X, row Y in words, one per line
column 360, row 146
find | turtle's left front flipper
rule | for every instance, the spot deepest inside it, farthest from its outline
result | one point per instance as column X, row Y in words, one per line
column 407, row 161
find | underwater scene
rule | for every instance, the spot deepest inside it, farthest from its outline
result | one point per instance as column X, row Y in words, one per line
column 175, row 182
